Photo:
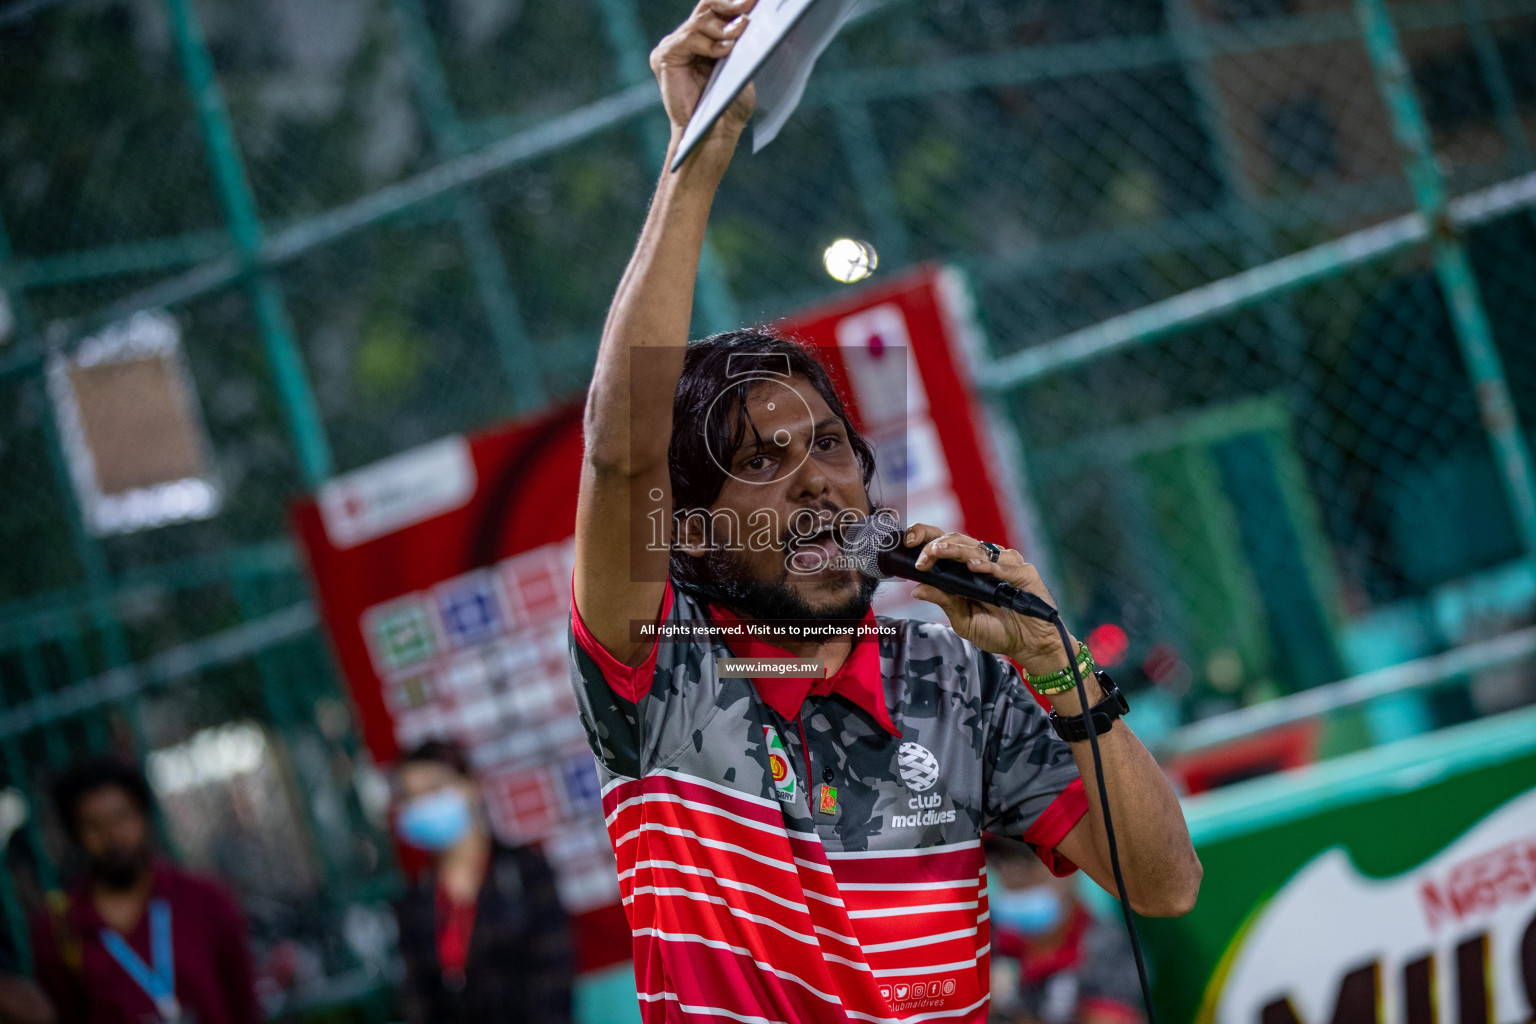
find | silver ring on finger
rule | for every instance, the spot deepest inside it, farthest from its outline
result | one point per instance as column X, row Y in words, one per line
column 992, row 550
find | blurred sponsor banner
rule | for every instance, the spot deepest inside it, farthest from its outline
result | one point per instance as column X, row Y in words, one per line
column 1395, row 886
column 443, row 573
column 443, row 576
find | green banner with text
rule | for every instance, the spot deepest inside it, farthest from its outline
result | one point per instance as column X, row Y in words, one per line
column 1396, row 886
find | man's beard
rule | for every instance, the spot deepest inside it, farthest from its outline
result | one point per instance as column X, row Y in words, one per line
column 731, row 584
column 119, row 869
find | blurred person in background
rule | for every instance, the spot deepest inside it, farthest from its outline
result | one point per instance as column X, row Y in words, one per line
column 1054, row 961
column 138, row 939
column 482, row 931
column 21, row 1001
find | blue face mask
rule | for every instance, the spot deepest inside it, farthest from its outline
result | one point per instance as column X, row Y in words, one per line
column 1032, row 911
column 436, row 821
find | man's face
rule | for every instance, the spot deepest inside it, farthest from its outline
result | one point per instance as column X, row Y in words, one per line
column 792, row 474
column 114, row 836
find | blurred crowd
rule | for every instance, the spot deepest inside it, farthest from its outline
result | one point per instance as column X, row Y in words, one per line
column 1054, row 960
column 137, row 939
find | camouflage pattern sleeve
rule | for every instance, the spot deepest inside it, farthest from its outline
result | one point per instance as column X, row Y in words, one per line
column 608, row 693
column 638, row 718
column 1031, row 787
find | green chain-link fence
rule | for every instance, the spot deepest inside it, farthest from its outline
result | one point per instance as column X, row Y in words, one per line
column 1259, row 367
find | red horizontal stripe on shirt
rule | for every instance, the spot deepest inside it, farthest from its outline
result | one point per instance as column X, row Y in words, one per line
column 658, row 846
column 741, row 804
column 712, row 913
column 785, row 905
column 701, row 820
column 620, row 790
column 732, row 979
column 899, row 899
column 958, row 864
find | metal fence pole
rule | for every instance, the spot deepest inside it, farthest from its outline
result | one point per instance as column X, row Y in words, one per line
column 713, row 304
column 1495, row 76
column 1288, row 339
column 519, row 361
column 11, row 750
column 1256, row 243
column 234, row 192
column 1469, row 319
column 93, row 561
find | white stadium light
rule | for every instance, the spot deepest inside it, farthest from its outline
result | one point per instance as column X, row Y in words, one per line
column 849, row 260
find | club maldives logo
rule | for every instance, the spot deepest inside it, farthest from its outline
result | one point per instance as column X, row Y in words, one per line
column 1452, row 939
column 778, row 765
column 911, row 995
column 918, row 767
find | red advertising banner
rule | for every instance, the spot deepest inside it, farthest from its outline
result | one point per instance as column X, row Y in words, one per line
column 443, row 573
column 443, row 576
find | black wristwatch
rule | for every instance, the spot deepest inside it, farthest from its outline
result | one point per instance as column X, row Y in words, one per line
column 1074, row 728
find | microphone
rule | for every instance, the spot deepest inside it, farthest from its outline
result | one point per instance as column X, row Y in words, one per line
column 874, row 546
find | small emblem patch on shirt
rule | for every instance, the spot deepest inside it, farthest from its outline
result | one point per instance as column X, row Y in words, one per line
column 826, row 800
column 778, row 765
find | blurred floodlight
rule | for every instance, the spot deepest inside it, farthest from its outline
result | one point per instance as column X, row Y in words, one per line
column 849, row 260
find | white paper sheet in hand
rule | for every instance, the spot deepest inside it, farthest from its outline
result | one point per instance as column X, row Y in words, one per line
column 778, row 50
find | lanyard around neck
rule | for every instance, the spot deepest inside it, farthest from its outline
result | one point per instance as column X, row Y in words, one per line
column 158, row 978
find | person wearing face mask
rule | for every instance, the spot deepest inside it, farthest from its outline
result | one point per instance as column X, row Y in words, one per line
column 482, row 932
column 1054, row 961
column 138, row 940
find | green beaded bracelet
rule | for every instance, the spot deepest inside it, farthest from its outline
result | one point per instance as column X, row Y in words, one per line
column 1061, row 681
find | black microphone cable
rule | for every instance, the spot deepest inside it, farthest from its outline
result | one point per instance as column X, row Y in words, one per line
column 1054, row 618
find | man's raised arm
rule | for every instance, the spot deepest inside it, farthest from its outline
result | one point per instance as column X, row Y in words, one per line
column 619, row 577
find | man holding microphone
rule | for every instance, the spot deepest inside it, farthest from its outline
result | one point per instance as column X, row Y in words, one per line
column 805, row 848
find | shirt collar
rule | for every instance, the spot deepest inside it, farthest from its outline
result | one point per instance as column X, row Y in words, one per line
column 858, row 679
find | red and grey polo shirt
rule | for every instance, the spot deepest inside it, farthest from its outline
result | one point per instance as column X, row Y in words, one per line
column 756, row 894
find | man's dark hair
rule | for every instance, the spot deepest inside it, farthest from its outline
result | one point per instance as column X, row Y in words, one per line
column 438, row 752
column 709, row 415
column 91, row 774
